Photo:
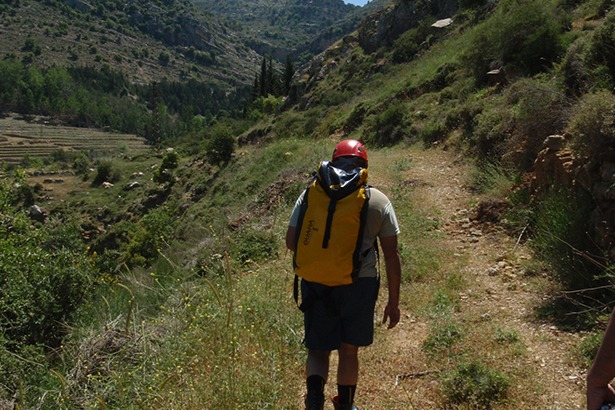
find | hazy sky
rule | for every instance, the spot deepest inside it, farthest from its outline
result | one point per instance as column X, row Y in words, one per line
column 356, row 2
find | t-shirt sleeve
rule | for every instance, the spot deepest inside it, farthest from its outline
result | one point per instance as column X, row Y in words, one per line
column 390, row 226
column 294, row 216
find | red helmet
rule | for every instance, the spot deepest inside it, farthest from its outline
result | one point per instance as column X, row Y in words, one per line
column 350, row 148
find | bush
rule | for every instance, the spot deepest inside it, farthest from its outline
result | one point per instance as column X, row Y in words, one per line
column 588, row 349
column 573, row 69
column 540, row 112
column 387, row 128
column 475, row 384
column 164, row 173
column 221, row 145
column 106, row 173
column 149, row 236
column 601, row 49
column 561, row 235
column 523, row 36
column 81, row 164
column 44, row 276
column 493, row 129
column 592, row 124
column 254, row 245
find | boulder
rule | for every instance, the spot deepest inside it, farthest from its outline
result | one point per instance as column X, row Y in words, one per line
column 36, row 213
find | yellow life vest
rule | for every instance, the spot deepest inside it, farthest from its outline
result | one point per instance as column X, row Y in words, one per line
column 330, row 227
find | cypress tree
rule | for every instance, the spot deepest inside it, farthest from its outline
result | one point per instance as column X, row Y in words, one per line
column 263, row 77
column 289, row 71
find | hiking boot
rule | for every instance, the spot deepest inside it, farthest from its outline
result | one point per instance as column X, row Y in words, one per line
column 338, row 406
column 314, row 401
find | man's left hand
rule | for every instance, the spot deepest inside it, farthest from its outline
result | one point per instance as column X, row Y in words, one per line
column 391, row 312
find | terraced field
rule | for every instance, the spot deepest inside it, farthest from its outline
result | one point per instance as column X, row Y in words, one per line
column 19, row 139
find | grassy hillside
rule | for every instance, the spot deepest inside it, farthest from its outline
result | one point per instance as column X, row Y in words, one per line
column 284, row 28
column 177, row 293
column 146, row 41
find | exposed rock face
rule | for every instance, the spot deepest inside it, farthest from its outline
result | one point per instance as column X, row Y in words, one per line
column 384, row 27
column 380, row 29
column 318, row 69
column 554, row 165
column 557, row 165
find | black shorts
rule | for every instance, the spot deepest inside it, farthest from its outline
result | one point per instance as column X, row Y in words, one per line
column 336, row 314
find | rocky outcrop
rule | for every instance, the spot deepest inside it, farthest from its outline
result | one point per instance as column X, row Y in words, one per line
column 384, row 27
column 380, row 29
column 557, row 165
column 318, row 68
column 554, row 165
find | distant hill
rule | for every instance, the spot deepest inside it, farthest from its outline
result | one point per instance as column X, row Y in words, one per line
column 299, row 28
column 146, row 40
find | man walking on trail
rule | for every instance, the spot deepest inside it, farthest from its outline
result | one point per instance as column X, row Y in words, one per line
column 339, row 313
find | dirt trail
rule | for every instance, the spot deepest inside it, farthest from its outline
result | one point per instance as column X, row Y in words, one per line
column 497, row 293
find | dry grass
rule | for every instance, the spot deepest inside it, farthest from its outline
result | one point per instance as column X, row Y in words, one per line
column 19, row 139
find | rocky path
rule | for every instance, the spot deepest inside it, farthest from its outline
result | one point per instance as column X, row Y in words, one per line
column 496, row 293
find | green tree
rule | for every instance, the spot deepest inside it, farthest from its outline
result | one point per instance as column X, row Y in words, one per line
column 221, row 145
column 289, row 72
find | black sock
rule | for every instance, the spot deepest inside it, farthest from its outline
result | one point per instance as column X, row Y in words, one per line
column 315, row 383
column 346, row 393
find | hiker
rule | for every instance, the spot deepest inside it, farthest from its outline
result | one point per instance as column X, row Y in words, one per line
column 602, row 371
column 339, row 313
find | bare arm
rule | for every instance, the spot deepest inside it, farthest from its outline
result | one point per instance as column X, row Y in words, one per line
column 291, row 238
column 603, row 370
column 393, row 270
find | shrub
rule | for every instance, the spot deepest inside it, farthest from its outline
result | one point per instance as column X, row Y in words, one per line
column 601, row 49
column 592, row 124
column 106, row 173
column 573, row 69
column 561, row 235
column 493, row 129
column 81, row 164
column 523, row 36
column 444, row 332
column 473, row 383
column 44, row 276
column 164, row 173
column 588, row 348
column 253, row 245
column 355, row 119
column 442, row 337
column 540, row 112
column 387, row 127
column 221, row 145
column 406, row 46
column 149, row 236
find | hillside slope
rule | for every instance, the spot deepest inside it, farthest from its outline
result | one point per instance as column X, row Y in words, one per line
column 288, row 27
column 146, row 41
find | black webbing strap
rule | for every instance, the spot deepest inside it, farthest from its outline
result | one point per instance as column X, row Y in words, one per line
column 330, row 212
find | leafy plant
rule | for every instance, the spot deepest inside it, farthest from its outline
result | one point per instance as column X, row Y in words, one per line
column 253, row 245
column 592, row 124
column 221, row 145
column 588, row 348
column 561, row 236
column 387, row 127
column 105, row 172
column 474, row 383
column 523, row 37
column 164, row 173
